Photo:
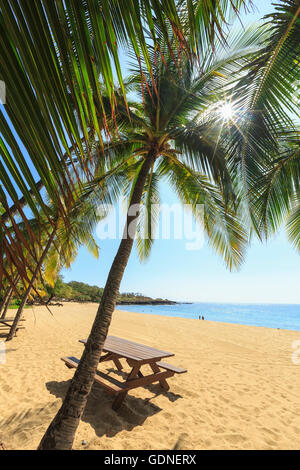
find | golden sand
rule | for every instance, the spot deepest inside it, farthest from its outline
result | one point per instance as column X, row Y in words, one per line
column 241, row 390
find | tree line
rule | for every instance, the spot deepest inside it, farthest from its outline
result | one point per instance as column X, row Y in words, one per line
column 82, row 292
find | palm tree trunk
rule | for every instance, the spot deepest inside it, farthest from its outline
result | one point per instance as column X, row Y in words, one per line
column 7, row 298
column 49, row 299
column 61, row 431
column 4, row 298
column 6, row 301
column 14, row 326
column 7, row 294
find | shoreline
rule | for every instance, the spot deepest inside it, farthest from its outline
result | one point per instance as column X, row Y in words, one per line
column 63, row 304
column 212, row 321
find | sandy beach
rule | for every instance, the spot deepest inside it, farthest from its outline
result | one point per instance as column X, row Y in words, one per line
column 241, row 390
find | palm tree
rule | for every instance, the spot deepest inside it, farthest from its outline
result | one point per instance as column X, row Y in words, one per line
column 173, row 134
column 59, row 249
column 52, row 55
column 33, row 279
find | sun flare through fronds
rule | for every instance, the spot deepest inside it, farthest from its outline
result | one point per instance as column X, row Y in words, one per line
column 226, row 111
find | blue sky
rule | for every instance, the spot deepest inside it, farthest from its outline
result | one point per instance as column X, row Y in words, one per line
column 270, row 273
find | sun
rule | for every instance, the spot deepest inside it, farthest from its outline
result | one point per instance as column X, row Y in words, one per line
column 226, row 111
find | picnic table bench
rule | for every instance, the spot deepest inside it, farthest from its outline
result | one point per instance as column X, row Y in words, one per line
column 7, row 322
column 136, row 356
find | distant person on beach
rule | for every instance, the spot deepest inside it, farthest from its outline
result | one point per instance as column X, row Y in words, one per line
column 201, row 318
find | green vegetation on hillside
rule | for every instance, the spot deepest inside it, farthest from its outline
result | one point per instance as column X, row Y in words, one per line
column 82, row 292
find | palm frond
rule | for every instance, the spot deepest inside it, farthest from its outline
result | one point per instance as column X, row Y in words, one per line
column 266, row 95
column 293, row 222
column 148, row 216
column 272, row 197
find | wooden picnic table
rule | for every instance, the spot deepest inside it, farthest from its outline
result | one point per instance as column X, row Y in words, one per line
column 136, row 356
column 7, row 322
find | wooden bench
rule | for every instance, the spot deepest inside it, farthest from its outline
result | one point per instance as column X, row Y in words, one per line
column 166, row 366
column 11, row 319
column 2, row 325
column 109, row 383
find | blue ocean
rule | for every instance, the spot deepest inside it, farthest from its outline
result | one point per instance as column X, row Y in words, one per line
column 285, row 316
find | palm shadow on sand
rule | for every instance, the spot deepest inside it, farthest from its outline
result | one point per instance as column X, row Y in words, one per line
column 100, row 415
